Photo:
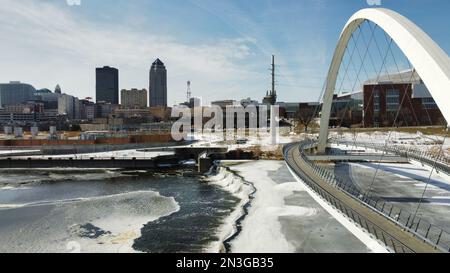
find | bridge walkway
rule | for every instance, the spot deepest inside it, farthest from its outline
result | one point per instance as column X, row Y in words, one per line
column 391, row 234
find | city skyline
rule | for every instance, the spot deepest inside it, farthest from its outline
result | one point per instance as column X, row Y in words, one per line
column 224, row 56
column 226, row 127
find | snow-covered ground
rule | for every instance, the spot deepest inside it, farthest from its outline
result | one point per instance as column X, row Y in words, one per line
column 356, row 230
column 127, row 154
column 315, row 230
column 414, row 170
column 352, row 149
column 15, row 152
column 391, row 137
column 264, row 140
column 416, row 175
column 237, row 187
column 418, row 140
column 261, row 229
column 11, row 178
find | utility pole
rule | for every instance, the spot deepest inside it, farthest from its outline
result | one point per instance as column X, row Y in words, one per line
column 271, row 95
column 274, row 109
column 274, row 93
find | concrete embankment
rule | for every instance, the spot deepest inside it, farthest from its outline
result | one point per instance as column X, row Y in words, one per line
column 66, row 149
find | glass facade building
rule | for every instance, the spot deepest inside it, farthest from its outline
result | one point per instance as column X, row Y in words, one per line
column 158, row 84
column 107, row 85
column 15, row 93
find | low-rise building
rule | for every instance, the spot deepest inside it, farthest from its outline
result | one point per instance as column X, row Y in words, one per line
column 161, row 113
column 224, row 103
column 25, row 108
column 132, row 113
column 103, row 109
column 87, row 110
column 69, row 106
column 347, row 109
column 248, row 101
column 49, row 98
column 399, row 100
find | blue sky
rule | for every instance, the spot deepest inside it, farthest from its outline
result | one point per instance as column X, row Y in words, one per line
column 222, row 46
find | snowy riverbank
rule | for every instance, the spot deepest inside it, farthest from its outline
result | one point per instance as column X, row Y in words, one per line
column 239, row 188
column 283, row 217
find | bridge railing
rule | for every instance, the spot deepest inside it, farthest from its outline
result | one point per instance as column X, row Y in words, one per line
column 438, row 161
column 421, row 228
column 365, row 223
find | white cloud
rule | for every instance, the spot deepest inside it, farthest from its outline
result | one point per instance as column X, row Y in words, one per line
column 283, row 30
column 73, row 2
column 45, row 44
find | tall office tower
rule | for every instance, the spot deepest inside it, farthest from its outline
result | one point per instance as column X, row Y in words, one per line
column 158, row 84
column 107, row 85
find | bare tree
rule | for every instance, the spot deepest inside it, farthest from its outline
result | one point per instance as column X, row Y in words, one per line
column 305, row 116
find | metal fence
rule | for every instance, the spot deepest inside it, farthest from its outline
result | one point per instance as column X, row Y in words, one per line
column 365, row 223
column 424, row 230
column 438, row 161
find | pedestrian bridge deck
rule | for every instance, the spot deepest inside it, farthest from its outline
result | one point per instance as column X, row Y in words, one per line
column 362, row 157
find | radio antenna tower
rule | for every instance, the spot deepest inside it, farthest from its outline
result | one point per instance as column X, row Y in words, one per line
column 189, row 93
column 274, row 92
column 271, row 95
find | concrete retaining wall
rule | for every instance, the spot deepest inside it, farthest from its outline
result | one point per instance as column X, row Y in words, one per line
column 132, row 139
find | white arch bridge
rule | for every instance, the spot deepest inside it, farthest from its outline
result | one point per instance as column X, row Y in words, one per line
column 398, row 229
column 429, row 60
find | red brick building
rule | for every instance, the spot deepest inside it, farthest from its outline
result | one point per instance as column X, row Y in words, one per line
column 399, row 100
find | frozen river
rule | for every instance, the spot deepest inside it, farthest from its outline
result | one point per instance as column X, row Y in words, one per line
column 106, row 211
column 285, row 218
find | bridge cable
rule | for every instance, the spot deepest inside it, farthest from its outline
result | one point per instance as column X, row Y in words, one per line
column 322, row 94
column 410, row 102
column 384, row 58
column 361, row 67
column 400, row 108
column 350, row 63
column 401, row 80
column 429, row 178
column 366, row 53
column 383, row 65
column 390, row 133
column 379, row 74
column 373, row 29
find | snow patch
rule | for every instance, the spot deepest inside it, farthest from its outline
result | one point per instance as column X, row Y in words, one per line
column 261, row 229
column 238, row 188
column 363, row 236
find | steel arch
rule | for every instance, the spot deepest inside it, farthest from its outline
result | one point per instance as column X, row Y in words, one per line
column 430, row 61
